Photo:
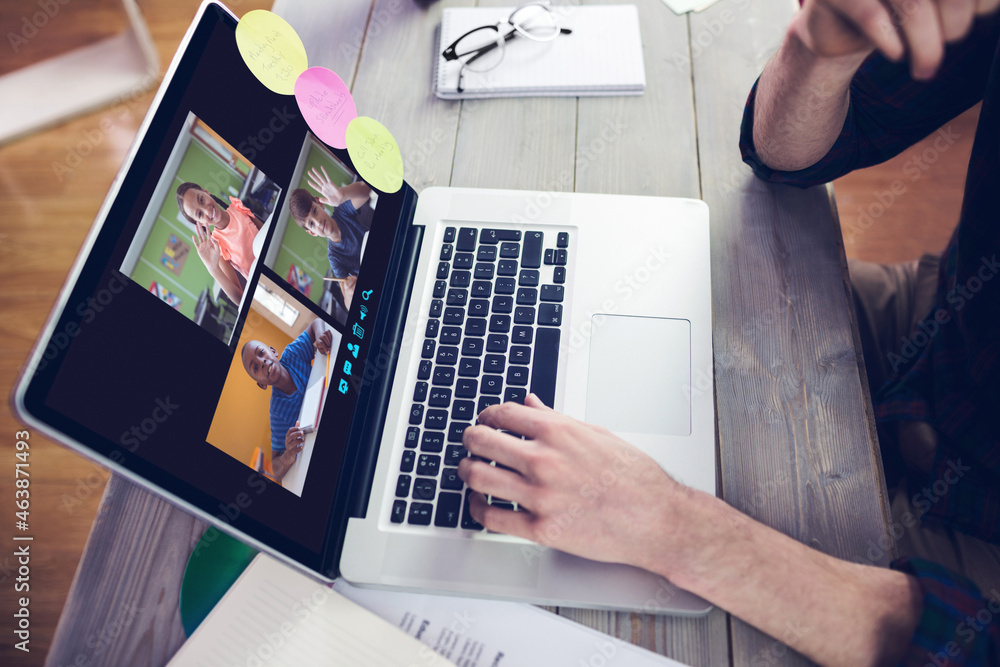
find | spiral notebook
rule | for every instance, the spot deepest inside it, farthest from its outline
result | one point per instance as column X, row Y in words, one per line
column 602, row 55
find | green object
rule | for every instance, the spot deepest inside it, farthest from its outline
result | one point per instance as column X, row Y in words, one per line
column 215, row 564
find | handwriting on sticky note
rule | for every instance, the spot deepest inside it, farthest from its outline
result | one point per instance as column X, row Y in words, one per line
column 271, row 49
column 326, row 104
column 375, row 154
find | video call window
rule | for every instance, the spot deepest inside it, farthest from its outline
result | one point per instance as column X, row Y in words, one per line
column 198, row 241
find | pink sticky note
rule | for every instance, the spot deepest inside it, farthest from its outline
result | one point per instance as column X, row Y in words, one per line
column 326, row 104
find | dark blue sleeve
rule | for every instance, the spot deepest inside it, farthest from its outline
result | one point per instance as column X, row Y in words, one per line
column 889, row 111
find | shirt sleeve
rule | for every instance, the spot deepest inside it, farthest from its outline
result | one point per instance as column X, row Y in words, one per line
column 958, row 626
column 889, row 111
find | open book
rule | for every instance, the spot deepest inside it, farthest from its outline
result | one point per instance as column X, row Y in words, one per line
column 602, row 55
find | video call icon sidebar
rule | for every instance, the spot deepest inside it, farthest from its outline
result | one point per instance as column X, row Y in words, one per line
column 355, row 347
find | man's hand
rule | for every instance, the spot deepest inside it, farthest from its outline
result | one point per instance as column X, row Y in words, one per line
column 294, row 442
column 347, row 289
column 585, row 490
column 325, row 342
column 917, row 29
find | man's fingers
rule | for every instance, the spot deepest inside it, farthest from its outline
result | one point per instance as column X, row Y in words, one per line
column 491, row 444
column 485, row 478
column 526, row 420
column 874, row 21
column 498, row 519
column 921, row 26
column 533, row 401
column 956, row 18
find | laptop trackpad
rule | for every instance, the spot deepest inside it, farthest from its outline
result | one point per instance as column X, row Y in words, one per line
column 640, row 375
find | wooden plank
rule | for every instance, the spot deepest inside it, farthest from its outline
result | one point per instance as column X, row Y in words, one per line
column 333, row 38
column 796, row 435
column 123, row 608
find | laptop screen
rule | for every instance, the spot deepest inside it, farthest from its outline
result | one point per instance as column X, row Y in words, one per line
column 214, row 338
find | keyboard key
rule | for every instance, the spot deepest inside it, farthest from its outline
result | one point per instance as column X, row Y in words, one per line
column 454, row 315
column 439, row 289
column 466, row 240
column 449, row 234
column 505, row 286
column 428, row 350
column 406, row 464
column 510, row 250
column 487, row 401
column 496, row 343
column 515, row 394
column 420, row 392
column 437, row 306
column 463, row 410
column 455, row 431
column 550, row 256
column 468, row 523
column 463, row 260
column 561, row 257
column 517, row 376
column 447, row 355
column 424, row 370
column 424, row 489
column 531, row 258
column 433, row 441
column 412, row 436
column 527, row 296
column 562, row 240
column 503, row 304
column 431, row 331
column 451, row 335
column 435, row 419
column 428, row 464
column 440, row 397
column 543, row 371
column 444, row 268
column 524, row 315
column 494, row 236
column 457, row 297
column 507, row 267
column 416, row 413
column 500, row 323
column 443, row 376
column 551, row 293
column 446, row 251
column 398, row 511
column 420, row 514
column 550, row 314
column 473, row 347
column 559, row 274
column 486, row 254
column 502, row 504
column 481, row 289
column 460, row 279
column 494, row 363
column 483, row 271
column 475, row 326
column 479, row 308
column 469, row 367
column 450, row 480
column 466, row 388
column 521, row 335
column 403, row 486
column 519, row 354
column 528, row 278
column 449, row 508
column 453, row 454
column 492, row 385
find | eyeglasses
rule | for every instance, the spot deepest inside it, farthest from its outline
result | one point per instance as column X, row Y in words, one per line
column 481, row 49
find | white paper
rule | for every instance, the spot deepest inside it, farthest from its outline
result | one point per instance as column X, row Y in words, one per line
column 472, row 632
column 684, row 6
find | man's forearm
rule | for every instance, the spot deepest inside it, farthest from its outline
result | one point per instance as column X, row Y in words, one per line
column 801, row 104
column 833, row 611
column 281, row 463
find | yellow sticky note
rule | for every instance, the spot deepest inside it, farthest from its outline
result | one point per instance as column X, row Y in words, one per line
column 271, row 49
column 375, row 154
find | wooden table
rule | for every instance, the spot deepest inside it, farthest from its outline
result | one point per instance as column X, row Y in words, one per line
column 796, row 438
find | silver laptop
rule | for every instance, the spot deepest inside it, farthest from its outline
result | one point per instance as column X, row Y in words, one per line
column 255, row 333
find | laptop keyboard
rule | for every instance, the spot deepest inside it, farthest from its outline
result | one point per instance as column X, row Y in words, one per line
column 492, row 335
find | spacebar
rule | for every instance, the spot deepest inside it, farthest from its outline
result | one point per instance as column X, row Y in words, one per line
column 543, row 372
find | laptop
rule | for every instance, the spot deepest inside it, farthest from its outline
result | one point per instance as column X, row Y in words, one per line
column 304, row 385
